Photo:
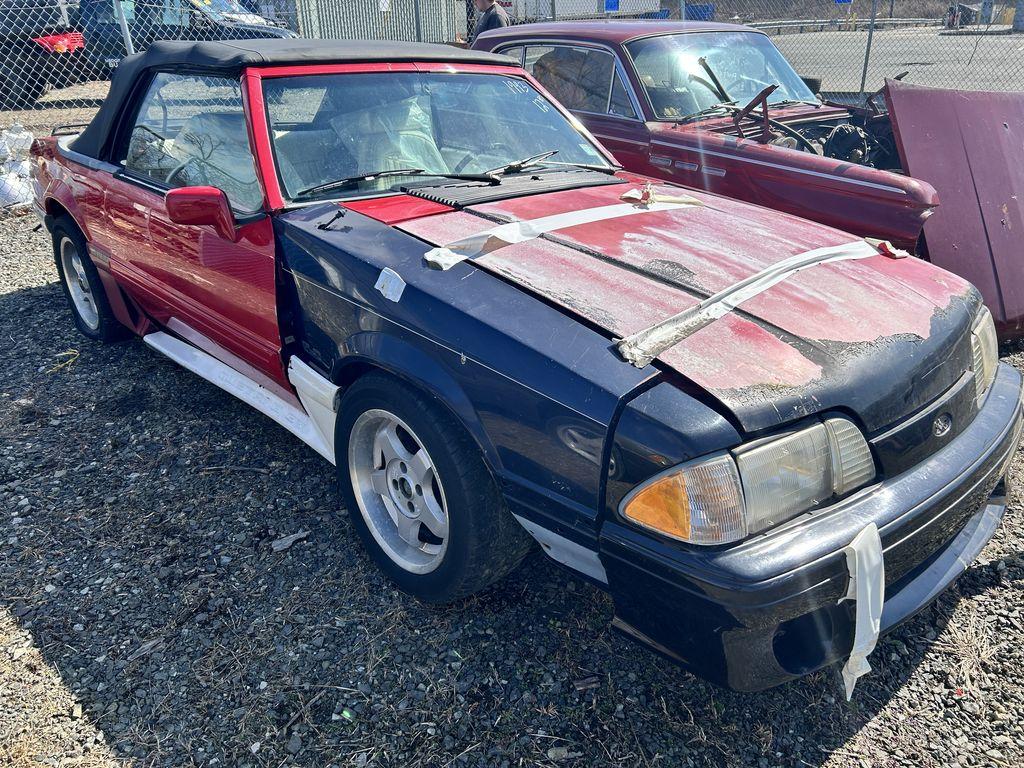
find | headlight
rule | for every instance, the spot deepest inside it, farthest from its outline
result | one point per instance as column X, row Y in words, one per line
column 985, row 350
column 725, row 497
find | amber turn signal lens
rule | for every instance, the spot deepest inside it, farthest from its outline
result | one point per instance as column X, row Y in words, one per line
column 663, row 506
column 700, row 502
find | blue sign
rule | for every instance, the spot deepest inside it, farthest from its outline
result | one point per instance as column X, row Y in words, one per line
column 843, row 2
column 611, row 5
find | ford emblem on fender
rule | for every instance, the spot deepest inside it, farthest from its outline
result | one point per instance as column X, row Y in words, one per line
column 942, row 425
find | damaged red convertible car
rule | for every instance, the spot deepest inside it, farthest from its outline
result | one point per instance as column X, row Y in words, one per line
column 768, row 439
column 717, row 107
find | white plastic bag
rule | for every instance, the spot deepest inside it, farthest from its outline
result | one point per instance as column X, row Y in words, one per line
column 18, row 141
column 15, row 190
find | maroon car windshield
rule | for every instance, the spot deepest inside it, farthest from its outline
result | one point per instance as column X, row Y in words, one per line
column 684, row 74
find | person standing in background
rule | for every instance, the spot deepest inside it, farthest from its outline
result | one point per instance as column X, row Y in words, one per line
column 491, row 16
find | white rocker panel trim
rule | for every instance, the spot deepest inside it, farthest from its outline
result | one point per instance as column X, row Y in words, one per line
column 312, row 393
column 318, row 396
column 314, row 425
column 566, row 552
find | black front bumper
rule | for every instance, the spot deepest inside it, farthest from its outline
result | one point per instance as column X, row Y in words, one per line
column 767, row 610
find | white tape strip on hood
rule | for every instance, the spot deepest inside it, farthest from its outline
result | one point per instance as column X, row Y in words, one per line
column 474, row 246
column 643, row 346
column 867, row 587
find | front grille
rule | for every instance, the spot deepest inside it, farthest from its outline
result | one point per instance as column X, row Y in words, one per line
column 916, row 438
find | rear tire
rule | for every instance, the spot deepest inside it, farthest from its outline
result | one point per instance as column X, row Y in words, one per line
column 82, row 286
column 420, row 495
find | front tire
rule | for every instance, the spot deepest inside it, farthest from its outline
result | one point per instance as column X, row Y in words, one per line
column 420, row 495
column 82, row 286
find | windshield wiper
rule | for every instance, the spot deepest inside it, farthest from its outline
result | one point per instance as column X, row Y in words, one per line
column 348, row 181
column 796, row 101
column 519, row 165
column 714, row 78
column 722, row 105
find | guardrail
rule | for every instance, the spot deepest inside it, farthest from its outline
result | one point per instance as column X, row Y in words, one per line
column 837, row 25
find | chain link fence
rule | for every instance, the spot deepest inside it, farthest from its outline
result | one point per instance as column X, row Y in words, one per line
column 57, row 56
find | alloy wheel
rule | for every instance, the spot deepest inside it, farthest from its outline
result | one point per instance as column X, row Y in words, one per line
column 398, row 490
column 78, row 283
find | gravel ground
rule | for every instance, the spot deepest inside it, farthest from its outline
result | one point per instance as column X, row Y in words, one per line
column 146, row 620
column 64, row 106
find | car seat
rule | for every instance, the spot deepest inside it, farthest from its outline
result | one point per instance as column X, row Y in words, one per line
column 389, row 136
column 307, row 157
column 212, row 148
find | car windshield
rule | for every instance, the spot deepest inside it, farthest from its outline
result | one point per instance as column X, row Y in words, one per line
column 684, row 74
column 220, row 7
column 326, row 128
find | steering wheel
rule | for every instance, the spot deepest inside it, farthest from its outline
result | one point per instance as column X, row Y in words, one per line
column 742, row 82
column 704, row 82
column 178, row 169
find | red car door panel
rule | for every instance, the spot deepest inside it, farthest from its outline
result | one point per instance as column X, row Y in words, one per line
column 225, row 290
column 217, row 291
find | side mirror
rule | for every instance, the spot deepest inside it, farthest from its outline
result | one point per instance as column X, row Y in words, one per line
column 202, row 206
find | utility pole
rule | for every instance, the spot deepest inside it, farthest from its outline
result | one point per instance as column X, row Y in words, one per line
column 867, row 49
column 123, row 23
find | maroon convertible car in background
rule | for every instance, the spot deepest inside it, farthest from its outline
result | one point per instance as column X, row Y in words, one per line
column 718, row 107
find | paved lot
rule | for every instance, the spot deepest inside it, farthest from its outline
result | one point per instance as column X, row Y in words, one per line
column 146, row 621
column 983, row 62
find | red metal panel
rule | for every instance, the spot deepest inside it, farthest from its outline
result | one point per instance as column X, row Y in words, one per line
column 259, row 136
column 968, row 145
column 852, row 197
column 395, row 209
column 296, row 70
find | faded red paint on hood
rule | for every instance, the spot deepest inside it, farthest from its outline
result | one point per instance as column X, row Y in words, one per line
column 624, row 274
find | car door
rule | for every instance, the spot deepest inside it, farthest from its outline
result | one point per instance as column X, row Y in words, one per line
column 590, row 82
column 219, row 293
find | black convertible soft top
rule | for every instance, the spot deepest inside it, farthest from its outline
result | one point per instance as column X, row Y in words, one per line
column 230, row 57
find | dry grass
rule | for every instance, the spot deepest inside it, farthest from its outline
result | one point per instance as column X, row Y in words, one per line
column 48, row 726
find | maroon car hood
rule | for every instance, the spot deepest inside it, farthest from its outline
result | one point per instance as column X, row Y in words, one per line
column 968, row 146
column 796, row 348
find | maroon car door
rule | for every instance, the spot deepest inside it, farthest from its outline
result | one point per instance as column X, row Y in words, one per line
column 217, row 292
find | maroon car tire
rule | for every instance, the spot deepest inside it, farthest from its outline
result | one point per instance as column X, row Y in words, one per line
column 82, row 286
column 419, row 494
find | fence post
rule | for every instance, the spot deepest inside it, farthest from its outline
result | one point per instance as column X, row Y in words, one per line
column 554, row 11
column 1018, row 17
column 123, row 22
column 416, row 19
column 682, row 10
column 867, row 48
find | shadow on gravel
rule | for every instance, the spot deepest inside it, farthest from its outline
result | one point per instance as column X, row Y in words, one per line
column 140, row 506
